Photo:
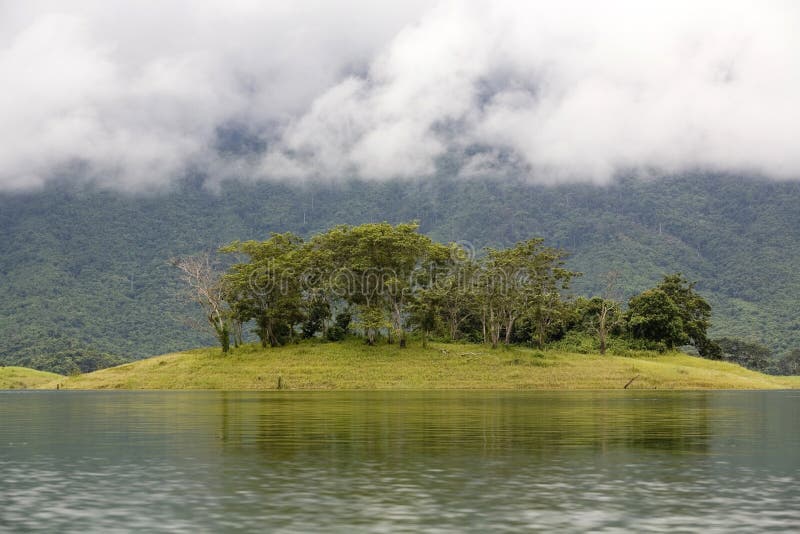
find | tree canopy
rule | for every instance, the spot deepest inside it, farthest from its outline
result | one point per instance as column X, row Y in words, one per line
column 390, row 279
column 674, row 314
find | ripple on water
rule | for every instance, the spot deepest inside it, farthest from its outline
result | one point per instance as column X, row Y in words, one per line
column 459, row 461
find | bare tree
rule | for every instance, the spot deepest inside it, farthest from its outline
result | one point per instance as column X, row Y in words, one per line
column 204, row 285
column 608, row 306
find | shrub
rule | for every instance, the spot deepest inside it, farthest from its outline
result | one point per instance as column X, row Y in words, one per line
column 335, row 333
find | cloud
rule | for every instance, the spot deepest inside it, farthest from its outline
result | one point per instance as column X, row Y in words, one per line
column 132, row 95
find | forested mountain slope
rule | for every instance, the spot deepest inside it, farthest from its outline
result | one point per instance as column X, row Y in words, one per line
column 86, row 271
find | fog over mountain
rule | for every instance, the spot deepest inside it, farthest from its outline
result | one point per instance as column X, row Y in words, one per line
column 133, row 95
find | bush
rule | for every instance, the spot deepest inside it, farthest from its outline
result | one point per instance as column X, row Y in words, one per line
column 343, row 320
column 335, row 333
column 68, row 362
column 578, row 342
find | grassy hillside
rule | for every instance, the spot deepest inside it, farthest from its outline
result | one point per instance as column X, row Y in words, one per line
column 83, row 269
column 23, row 378
column 353, row 365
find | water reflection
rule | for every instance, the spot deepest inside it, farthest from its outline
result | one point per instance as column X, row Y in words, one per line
column 713, row 461
column 378, row 425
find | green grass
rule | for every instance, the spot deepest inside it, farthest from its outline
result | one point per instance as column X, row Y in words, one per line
column 791, row 381
column 23, row 378
column 352, row 365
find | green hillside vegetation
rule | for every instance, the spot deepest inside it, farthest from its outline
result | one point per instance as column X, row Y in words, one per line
column 88, row 270
column 63, row 356
column 352, row 364
column 24, row 378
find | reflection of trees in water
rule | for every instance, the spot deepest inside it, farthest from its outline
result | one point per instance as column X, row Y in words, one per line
column 378, row 426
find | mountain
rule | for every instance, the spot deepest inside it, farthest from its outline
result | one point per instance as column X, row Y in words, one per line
column 83, row 269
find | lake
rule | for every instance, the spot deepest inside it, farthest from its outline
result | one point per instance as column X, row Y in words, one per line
column 400, row 461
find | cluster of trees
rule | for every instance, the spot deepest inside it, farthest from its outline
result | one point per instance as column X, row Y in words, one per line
column 758, row 357
column 377, row 279
column 59, row 355
column 389, row 280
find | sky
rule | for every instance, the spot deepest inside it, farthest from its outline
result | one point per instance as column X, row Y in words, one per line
column 134, row 94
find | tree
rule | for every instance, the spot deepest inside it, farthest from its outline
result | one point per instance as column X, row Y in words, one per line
column 751, row 355
column 599, row 317
column 653, row 316
column 548, row 311
column 205, row 286
column 448, row 294
column 268, row 289
column 607, row 308
column 317, row 311
column 425, row 315
column 524, row 279
column 377, row 268
column 673, row 313
column 372, row 319
column 606, row 315
column 695, row 313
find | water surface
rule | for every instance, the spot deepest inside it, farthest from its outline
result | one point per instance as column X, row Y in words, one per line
column 400, row 461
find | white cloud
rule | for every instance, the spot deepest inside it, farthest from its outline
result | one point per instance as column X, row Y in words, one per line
column 130, row 94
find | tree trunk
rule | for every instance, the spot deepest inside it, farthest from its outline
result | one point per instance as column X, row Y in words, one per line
column 273, row 339
column 509, row 328
column 494, row 330
column 601, row 330
column 238, row 337
column 453, row 328
column 540, row 336
column 397, row 318
column 224, row 336
column 263, row 332
column 483, row 324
